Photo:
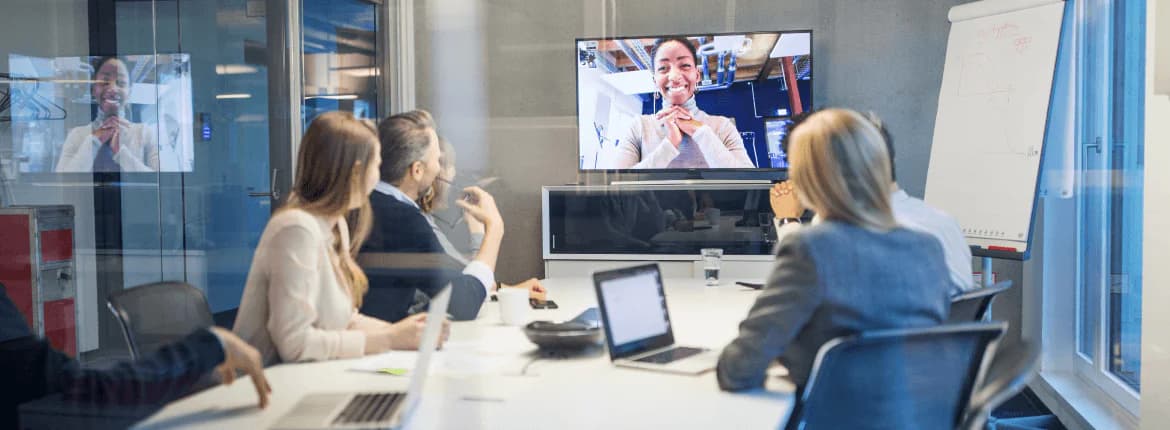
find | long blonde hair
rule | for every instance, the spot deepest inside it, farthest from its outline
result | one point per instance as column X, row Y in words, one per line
column 841, row 169
column 334, row 156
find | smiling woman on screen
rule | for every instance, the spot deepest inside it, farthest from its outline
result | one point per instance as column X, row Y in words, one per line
column 111, row 143
column 680, row 136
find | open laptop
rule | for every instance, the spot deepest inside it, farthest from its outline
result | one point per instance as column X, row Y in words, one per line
column 387, row 409
column 637, row 324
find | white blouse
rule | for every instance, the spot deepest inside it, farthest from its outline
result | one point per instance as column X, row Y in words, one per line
column 294, row 307
column 138, row 152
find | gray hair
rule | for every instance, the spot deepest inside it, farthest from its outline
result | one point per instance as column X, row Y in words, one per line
column 405, row 138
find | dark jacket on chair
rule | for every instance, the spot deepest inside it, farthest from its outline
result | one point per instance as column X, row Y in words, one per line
column 832, row 279
column 400, row 227
column 30, row 369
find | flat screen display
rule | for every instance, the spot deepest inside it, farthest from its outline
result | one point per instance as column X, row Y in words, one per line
column 689, row 102
column 128, row 113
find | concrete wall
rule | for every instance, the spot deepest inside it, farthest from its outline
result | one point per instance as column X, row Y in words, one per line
column 500, row 79
column 1155, row 412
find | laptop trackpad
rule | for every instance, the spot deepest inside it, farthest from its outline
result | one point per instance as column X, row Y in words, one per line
column 313, row 411
column 671, row 355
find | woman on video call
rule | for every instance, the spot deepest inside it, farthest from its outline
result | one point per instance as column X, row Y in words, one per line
column 680, row 136
column 110, row 143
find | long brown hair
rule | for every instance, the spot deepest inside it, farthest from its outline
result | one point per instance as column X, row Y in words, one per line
column 841, row 169
column 331, row 169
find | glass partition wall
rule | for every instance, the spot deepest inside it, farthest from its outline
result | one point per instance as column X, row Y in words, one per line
column 203, row 92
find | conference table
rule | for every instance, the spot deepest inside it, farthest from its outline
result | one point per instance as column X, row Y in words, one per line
column 489, row 376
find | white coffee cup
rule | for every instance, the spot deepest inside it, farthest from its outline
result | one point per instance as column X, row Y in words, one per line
column 513, row 306
column 712, row 215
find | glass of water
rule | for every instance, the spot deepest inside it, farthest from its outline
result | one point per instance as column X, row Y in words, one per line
column 712, row 260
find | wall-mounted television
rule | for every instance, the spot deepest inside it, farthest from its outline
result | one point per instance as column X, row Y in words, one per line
column 690, row 102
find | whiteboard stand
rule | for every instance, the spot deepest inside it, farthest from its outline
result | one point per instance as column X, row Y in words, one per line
column 995, row 102
column 987, row 281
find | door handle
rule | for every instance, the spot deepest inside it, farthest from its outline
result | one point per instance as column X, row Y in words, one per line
column 273, row 193
column 1096, row 145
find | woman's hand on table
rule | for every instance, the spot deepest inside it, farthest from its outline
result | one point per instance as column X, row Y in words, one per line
column 405, row 334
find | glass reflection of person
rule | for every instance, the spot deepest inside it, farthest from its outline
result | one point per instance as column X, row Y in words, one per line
column 110, row 143
column 435, row 199
column 680, row 135
column 630, row 220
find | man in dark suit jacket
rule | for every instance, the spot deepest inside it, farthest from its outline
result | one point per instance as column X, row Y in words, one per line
column 402, row 254
column 31, row 369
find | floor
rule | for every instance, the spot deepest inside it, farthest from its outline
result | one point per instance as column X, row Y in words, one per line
column 1024, row 412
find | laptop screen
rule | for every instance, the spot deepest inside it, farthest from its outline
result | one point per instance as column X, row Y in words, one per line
column 633, row 307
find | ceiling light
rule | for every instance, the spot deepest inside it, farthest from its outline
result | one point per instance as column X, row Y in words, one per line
column 335, row 97
column 233, row 96
column 235, row 69
column 360, row 72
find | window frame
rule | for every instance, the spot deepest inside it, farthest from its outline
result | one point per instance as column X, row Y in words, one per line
column 1097, row 109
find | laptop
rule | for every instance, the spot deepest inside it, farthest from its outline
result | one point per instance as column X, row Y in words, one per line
column 637, row 323
column 388, row 409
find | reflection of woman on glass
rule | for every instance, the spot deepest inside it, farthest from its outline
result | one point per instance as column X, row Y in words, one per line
column 680, row 136
column 111, row 143
column 435, row 200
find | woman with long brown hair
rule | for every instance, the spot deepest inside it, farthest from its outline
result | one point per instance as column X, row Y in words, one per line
column 304, row 288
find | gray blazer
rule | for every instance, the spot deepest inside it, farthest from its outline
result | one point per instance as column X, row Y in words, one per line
column 830, row 280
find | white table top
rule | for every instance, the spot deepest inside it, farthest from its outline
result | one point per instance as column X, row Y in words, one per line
column 578, row 392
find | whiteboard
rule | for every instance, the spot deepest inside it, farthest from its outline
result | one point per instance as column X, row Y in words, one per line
column 992, row 114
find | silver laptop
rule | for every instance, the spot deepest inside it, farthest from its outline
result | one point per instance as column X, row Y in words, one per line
column 637, row 324
column 378, row 409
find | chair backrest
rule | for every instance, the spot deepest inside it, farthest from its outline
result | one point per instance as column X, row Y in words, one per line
column 156, row 314
column 974, row 305
column 1009, row 372
column 903, row 379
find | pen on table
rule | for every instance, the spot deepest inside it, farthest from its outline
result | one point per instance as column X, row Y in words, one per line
column 751, row 285
column 482, row 399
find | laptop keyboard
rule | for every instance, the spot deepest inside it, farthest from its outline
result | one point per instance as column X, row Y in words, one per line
column 670, row 355
column 369, row 407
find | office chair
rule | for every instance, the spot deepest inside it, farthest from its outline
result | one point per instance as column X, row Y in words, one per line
column 918, row 378
column 156, row 314
column 975, row 305
column 1010, row 371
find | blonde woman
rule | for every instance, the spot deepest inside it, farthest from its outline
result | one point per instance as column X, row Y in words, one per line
column 853, row 271
column 304, row 288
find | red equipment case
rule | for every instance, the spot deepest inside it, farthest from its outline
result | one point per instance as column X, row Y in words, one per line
column 37, row 266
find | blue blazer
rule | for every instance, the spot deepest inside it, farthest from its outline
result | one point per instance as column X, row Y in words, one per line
column 31, row 369
column 401, row 228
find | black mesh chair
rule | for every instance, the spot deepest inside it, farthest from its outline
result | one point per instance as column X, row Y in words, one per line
column 903, row 379
column 975, row 305
column 1010, row 371
column 154, row 315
